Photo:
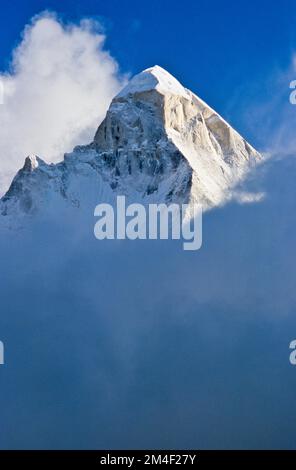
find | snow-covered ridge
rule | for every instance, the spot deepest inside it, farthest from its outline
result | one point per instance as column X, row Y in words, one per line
column 159, row 142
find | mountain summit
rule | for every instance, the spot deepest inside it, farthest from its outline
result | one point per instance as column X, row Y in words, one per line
column 154, row 78
column 159, row 142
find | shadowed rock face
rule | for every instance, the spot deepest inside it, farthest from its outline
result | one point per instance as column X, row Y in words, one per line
column 159, row 142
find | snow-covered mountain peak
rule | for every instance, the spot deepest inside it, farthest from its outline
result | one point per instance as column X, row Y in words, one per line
column 159, row 142
column 153, row 78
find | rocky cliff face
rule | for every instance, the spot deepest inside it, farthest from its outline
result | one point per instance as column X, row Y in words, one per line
column 159, row 142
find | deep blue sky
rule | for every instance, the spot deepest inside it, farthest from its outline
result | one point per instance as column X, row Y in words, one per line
column 219, row 49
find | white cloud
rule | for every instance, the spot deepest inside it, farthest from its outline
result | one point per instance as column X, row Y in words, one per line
column 278, row 114
column 57, row 92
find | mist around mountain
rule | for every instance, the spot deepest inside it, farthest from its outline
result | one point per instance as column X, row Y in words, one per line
column 138, row 344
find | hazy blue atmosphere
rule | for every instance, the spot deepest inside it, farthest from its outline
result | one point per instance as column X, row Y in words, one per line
column 134, row 345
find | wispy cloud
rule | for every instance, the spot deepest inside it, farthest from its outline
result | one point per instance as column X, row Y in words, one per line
column 266, row 113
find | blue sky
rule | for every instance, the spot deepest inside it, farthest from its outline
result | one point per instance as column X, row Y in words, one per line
column 225, row 51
